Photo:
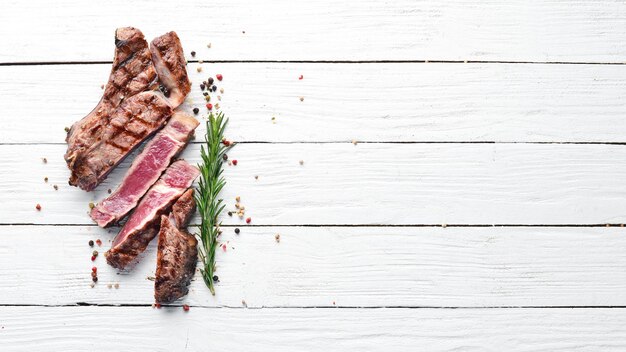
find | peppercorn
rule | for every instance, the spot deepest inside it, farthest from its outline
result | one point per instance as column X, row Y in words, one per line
column 185, row 307
column 230, row 213
column 90, row 243
column 38, row 206
column 210, row 80
column 67, row 129
column 248, row 220
column 202, row 86
column 216, row 279
column 45, row 161
column 95, row 279
column 205, row 94
column 91, row 205
column 56, row 188
column 219, row 77
column 193, row 54
column 235, row 162
column 93, row 257
column 214, row 88
column 196, row 111
column 301, row 77
column 45, row 179
column 109, row 191
column 237, row 230
column 94, row 253
column 94, row 274
column 94, row 269
column 225, row 157
column 158, row 305
column 98, row 242
column 209, row 106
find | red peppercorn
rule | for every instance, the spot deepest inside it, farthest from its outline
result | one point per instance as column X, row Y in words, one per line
column 219, row 77
column 158, row 305
column 235, row 162
column 185, row 307
column 94, row 269
column 301, row 77
column 93, row 257
column 209, row 106
column 98, row 242
column 224, row 247
column 226, row 143
column 38, row 206
column 248, row 220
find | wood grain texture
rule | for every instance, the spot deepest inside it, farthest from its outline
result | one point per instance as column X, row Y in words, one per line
column 342, row 102
column 171, row 329
column 338, row 266
column 324, row 30
column 363, row 184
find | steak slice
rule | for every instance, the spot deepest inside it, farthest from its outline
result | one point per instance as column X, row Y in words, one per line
column 177, row 251
column 170, row 64
column 132, row 72
column 146, row 169
column 142, row 225
column 136, row 119
column 183, row 209
column 176, row 261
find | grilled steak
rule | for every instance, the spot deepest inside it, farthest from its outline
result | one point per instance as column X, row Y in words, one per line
column 132, row 72
column 133, row 121
column 170, row 64
column 176, row 261
column 177, row 253
column 146, row 169
column 142, row 225
column 183, row 209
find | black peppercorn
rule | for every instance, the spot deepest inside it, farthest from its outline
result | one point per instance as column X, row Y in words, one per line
column 230, row 213
column 193, row 54
column 90, row 243
column 196, row 110
column 216, row 278
column 210, row 80
column 202, row 86
column 95, row 279
column 214, row 88
column 225, row 157
column 237, row 230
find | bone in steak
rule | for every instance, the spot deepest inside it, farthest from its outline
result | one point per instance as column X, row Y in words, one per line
column 170, row 64
column 146, row 169
column 177, row 252
column 136, row 119
column 142, row 224
column 132, row 72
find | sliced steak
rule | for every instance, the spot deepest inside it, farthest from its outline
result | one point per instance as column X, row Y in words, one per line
column 184, row 208
column 136, row 119
column 132, row 73
column 142, row 225
column 170, row 64
column 146, row 169
column 176, row 261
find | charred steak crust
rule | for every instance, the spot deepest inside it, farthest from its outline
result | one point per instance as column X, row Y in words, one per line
column 136, row 119
column 184, row 208
column 132, row 72
column 176, row 262
column 121, row 256
column 171, row 67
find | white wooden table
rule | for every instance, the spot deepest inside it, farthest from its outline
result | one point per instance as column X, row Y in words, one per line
column 481, row 208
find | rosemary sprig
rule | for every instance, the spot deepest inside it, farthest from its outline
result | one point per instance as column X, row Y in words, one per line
column 211, row 183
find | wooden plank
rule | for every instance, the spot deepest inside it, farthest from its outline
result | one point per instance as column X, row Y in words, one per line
column 325, row 30
column 363, row 184
column 337, row 266
column 171, row 329
column 367, row 102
